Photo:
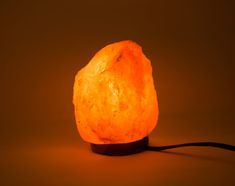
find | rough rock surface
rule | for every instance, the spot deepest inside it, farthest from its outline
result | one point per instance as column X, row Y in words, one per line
column 114, row 96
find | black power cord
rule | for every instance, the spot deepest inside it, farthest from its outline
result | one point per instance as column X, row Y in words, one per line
column 198, row 144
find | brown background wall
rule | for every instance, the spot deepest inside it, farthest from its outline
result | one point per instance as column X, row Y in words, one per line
column 44, row 44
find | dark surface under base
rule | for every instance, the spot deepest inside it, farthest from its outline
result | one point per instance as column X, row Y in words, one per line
column 121, row 149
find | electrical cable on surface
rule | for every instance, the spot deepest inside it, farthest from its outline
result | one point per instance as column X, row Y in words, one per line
column 198, row 144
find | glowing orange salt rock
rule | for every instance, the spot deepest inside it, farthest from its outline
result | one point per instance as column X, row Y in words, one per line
column 114, row 96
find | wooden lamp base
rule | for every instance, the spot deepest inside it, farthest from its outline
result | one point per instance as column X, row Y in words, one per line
column 121, row 148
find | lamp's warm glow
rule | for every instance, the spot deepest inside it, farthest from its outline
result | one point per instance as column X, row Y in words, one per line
column 114, row 96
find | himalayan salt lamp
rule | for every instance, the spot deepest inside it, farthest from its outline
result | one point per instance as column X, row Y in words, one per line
column 115, row 100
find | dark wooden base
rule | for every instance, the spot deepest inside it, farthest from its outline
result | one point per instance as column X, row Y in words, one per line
column 121, row 148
